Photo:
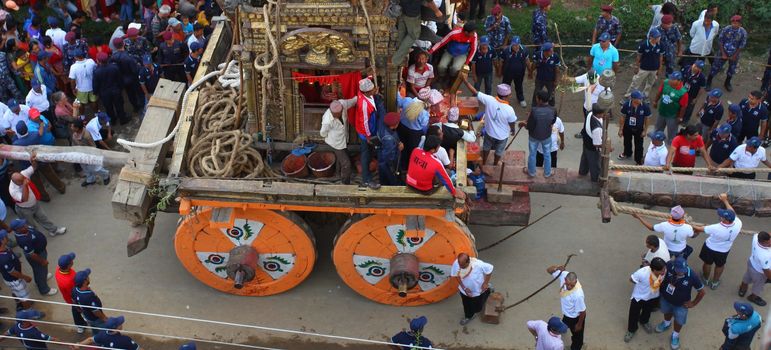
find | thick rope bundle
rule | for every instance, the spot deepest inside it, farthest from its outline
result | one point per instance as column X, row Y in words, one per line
column 218, row 147
column 232, row 76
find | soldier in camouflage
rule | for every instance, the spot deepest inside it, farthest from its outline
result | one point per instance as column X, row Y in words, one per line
column 731, row 41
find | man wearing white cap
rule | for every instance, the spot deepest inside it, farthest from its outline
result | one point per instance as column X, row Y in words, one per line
column 414, row 121
column 367, row 112
column 452, row 133
column 675, row 231
column 498, row 121
column 334, row 130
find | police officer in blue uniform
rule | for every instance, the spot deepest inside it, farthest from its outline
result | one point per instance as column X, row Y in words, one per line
column 711, row 113
column 89, row 302
column 735, row 120
column 538, row 27
column 546, row 64
column 10, row 270
column 112, row 338
column 188, row 346
column 731, row 42
column 633, row 123
column 192, row 60
column 34, row 245
column 31, row 337
column 171, row 56
column 670, row 42
column 515, row 64
column 695, row 81
column 723, row 143
column 413, row 337
column 754, row 116
column 149, row 75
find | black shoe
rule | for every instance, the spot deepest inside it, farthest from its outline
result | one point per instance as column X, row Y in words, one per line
column 106, row 181
column 373, row 186
column 727, row 84
column 578, row 135
column 709, row 83
column 86, row 183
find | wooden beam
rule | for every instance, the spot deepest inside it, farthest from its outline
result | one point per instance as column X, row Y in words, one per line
column 67, row 154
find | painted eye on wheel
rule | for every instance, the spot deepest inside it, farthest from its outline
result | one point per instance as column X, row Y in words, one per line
column 426, row 277
column 376, row 271
column 215, row 259
column 235, row 232
column 415, row 240
column 271, row 266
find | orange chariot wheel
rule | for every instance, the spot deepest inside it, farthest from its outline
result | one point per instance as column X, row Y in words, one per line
column 377, row 257
column 262, row 253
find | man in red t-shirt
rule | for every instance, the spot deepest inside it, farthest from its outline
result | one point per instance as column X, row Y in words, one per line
column 682, row 152
column 65, row 279
column 424, row 168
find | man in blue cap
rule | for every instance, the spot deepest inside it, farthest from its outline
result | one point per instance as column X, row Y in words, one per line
column 65, row 280
column 675, row 301
column 192, row 60
column 34, row 245
column 82, row 79
column 149, row 75
column 12, row 275
column 89, row 302
column 754, row 116
column 723, row 143
column 603, row 55
column 482, row 65
column 671, row 102
column 188, row 346
column 695, row 81
column 711, row 113
column 740, row 329
column 546, row 65
column 718, row 244
column 657, row 150
column 55, row 32
column 516, row 61
column 98, row 126
column 413, row 337
column 649, row 63
column 112, row 338
column 548, row 335
column 746, row 156
column 30, row 336
column 42, row 72
column 632, row 126
column 13, row 116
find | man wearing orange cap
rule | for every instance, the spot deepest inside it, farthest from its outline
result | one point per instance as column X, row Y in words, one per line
column 171, row 55
column 107, row 85
column 607, row 23
column 670, row 42
column 731, row 42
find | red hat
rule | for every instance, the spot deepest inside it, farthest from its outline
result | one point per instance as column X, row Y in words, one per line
column 392, row 119
column 34, row 113
column 117, row 42
column 167, row 35
column 736, row 18
column 496, row 10
column 608, row 8
column 132, row 32
column 667, row 19
column 101, row 57
column 69, row 36
column 544, row 3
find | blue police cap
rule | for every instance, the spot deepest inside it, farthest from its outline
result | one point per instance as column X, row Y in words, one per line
column 66, row 259
column 16, row 223
column 147, row 59
column 676, row 75
column 12, row 103
column 516, row 40
column 735, row 109
column 726, row 214
column 699, row 63
column 417, row 324
column 28, row 314
column 114, row 322
column 195, row 46
column 716, row 92
column 754, row 142
column 81, row 277
column 21, row 128
column 657, row 135
column 188, row 346
column 484, row 40
column 655, row 33
column 743, row 308
column 724, row 129
column 604, row 36
column 637, row 95
column 556, row 324
column 547, row 46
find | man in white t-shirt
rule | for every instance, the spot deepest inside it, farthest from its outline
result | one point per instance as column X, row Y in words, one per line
column 420, row 74
column 675, row 231
column 720, row 238
column 13, row 115
column 23, row 192
column 657, row 150
column 473, row 277
column 441, row 154
column 758, row 268
column 591, row 88
column 572, row 304
column 94, row 128
column 55, row 33
column 557, row 143
column 82, row 78
column 334, row 130
column 548, row 335
column 747, row 156
column 498, row 121
column 645, row 295
column 657, row 248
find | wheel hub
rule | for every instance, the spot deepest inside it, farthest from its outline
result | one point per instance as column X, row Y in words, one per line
column 404, row 272
column 242, row 265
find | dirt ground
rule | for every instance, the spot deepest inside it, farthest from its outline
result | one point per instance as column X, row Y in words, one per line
column 155, row 281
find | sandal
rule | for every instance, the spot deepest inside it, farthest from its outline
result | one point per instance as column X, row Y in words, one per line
column 757, row 300
column 742, row 293
column 621, row 156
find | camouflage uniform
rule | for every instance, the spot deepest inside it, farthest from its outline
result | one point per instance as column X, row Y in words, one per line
column 669, row 39
column 137, row 47
column 8, row 88
column 612, row 26
column 731, row 40
column 68, row 52
column 539, row 27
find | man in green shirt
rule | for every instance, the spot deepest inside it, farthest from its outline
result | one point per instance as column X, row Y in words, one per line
column 671, row 102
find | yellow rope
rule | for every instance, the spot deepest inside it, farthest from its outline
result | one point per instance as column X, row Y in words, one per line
column 646, row 168
column 624, row 209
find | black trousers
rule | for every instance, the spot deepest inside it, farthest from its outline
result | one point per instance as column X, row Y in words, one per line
column 689, row 111
column 473, row 305
column 590, row 163
column 476, row 10
column 539, row 159
column 411, row 139
column 633, row 137
column 576, row 337
column 640, row 313
column 77, row 317
column 549, row 85
column 515, row 80
column 135, row 95
column 113, row 106
column 750, row 176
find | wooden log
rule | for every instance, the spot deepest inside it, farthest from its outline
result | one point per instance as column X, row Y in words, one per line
column 67, row 154
column 463, row 74
column 493, row 308
column 131, row 199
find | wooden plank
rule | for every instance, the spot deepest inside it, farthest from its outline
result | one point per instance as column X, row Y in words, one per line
column 212, row 56
column 460, row 164
column 131, row 198
column 493, row 308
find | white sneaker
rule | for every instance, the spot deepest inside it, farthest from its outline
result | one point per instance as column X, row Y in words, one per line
column 51, row 292
column 523, row 103
column 81, row 330
column 61, row 230
column 50, row 276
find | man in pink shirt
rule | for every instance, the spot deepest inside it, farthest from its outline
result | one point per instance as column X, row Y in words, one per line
column 548, row 336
